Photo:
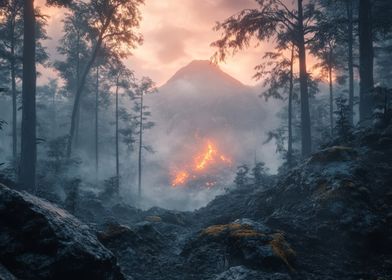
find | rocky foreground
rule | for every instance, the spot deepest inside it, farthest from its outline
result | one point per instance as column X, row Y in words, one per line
column 329, row 218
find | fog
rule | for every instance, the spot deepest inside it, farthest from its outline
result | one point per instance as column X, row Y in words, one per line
column 200, row 103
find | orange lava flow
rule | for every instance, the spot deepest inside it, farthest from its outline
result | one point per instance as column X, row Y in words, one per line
column 201, row 162
column 207, row 157
column 180, row 178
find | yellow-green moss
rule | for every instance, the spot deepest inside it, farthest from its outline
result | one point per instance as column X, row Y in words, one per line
column 240, row 233
column 217, row 229
column 282, row 249
column 153, row 219
column 112, row 231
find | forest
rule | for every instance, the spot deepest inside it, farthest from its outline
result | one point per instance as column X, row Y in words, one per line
column 217, row 140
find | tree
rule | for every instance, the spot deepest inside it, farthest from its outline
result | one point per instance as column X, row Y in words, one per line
column 343, row 126
column 350, row 58
column 11, row 47
column 146, row 86
column 273, row 20
column 278, row 74
column 123, row 79
column 326, row 46
column 366, row 57
column 75, row 51
column 111, row 25
column 28, row 142
column 241, row 177
column 259, row 173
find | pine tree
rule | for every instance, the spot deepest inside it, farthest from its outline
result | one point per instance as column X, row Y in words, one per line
column 241, row 178
column 343, row 125
column 259, row 173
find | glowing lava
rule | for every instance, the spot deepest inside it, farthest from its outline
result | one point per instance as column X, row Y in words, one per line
column 180, row 178
column 207, row 157
column 210, row 156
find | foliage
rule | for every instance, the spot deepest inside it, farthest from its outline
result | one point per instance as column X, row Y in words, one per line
column 343, row 127
column 110, row 188
column 241, row 178
column 72, row 194
column 259, row 172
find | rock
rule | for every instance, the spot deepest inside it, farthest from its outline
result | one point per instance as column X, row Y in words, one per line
column 38, row 240
column 242, row 242
column 153, row 219
column 243, row 273
column 167, row 216
column 5, row 274
column 136, row 248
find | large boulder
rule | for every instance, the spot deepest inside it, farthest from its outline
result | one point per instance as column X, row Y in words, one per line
column 39, row 240
column 240, row 243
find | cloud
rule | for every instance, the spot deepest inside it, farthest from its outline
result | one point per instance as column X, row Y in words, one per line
column 175, row 33
column 171, row 42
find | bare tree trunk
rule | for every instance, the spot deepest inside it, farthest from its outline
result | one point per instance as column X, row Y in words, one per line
column 28, row 141
column 366, row 57
column 140, row 146
column 349, row 8
column 117, row 144
column 77, row 129
column 330, row 94
column 290, row 129
column 14, row 97
column 96, row 122
column 306, row 138
column 54, row 116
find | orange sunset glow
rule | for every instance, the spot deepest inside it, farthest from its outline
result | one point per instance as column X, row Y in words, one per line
column 175, row 32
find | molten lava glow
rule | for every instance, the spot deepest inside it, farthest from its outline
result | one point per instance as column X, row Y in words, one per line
column 180, row 178
column 209, row 156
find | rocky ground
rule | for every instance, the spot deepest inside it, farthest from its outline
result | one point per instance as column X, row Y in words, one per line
column 328, row 218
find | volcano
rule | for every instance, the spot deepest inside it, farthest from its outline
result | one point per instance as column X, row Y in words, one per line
column 201, row 102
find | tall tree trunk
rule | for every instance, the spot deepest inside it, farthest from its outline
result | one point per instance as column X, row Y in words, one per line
column 54, row 115
column 330, row 93
column 290, row 109
column 77, row 129
column 366, row 57
column 349, row 7
column 306, row 138
column 140, row 146
column 14, row 97
column 96, row 122
column 117, row 144
column 82, row 82
column 28, row 141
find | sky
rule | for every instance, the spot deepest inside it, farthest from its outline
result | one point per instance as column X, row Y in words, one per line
column 175, row 33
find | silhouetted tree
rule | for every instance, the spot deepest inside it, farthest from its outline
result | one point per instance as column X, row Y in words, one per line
column 28, row 142
column 146, row 86
column 11, row 48
column 111, row 25
column 259, row 173
column 343, row 125
column 241, row 178
column 273, row 20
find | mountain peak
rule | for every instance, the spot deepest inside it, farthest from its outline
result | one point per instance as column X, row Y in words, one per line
column 204, row 71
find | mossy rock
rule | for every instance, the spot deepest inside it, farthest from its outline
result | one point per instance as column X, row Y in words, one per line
column 248, row 246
